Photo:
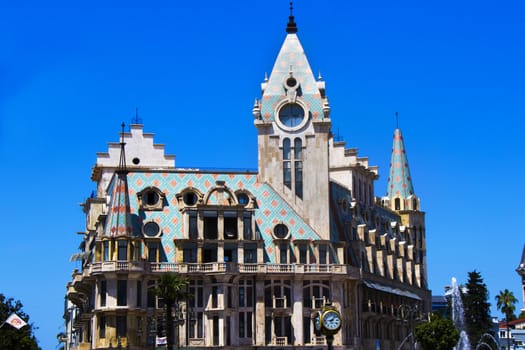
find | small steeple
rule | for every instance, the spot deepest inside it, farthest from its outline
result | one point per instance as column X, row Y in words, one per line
column 400, row 187
column 291, row 27
column 122, row 161
column 119, row 221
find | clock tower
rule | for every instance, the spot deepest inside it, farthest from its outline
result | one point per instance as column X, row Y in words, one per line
column 294, row 128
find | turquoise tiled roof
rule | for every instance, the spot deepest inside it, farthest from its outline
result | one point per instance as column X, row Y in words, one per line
column 271, row 208
column 399, row 181
column 120, row 221
column 291, row 58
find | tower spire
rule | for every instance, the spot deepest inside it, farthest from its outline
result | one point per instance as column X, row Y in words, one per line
column 122, row 161
column 291, row 28
column 400, row 186
column 119, row 221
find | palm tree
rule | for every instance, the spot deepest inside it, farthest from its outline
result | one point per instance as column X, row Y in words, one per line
column 172, row 288
column 505, row 302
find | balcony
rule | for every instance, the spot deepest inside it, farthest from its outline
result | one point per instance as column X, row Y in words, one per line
column 214, row 267
column 117, row 266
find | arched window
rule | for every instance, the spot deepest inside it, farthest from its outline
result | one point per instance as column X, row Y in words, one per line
column 298, row 157
column 287, row 166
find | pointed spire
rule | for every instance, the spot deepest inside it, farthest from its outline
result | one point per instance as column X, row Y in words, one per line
column 399, row 182
column 122, row 161
column 291, row 59
column 119, row 221
column 291, row 28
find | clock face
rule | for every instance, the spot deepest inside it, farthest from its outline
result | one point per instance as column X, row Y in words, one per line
column 331, row 321
column 291, row 115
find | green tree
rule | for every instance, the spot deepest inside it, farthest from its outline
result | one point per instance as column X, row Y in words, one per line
column 505, row 301
column 437, row 334
column 172, row 288
column 476, row 308
column 10, row 337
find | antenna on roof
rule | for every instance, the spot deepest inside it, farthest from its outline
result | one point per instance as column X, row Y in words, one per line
column 136, row 120
column 397, row 120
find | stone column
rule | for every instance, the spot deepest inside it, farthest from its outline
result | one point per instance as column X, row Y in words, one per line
column 259, row 313
column 297, row 316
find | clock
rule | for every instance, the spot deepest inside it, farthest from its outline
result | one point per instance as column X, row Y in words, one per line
column 331, row 321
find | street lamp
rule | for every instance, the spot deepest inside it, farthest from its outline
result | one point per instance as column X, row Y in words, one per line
column 408, row 313
column 328, row 322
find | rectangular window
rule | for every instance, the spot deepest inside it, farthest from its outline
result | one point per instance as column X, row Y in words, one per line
column 139, row 293
column 247, row 226
column 250, row 253
column 215, row 330
column 102, row 327
column 106, row 250
column 283, row 248
column 241, row 324
column 302, row 254
column 210, row 225
column 307, row 323
column 103, row 292
column 122, row 292
column 193, row 227
column 299, row 179
column 153, row 249
column 189, row 253
column 322, row 254
column 196, row 329
column 151, row 294
column 122, row 250
column 230, row 225
column 214, row 297
column 241, row 297
column 121, row 326
column 209, row 253
column 287, row 174
column 248, row 324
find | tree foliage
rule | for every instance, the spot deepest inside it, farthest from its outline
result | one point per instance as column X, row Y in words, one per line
column 172, row 288
column 10, row 337
column 505, row 301
column 476, row 308
column 437, row 334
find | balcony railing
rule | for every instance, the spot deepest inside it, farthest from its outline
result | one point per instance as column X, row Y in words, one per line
column 214, row 267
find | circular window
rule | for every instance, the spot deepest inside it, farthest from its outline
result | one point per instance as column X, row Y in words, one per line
column 280, row 231
column 151, row 198
column 291, row 115
column 291, row 82
column 136, row 161
column 243, row 198
column 190, row 198
column 151, row 229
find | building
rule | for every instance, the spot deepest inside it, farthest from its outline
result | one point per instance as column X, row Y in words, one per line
column 263, row 250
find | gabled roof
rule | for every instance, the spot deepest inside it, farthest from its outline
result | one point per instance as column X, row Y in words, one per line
column 291, row 61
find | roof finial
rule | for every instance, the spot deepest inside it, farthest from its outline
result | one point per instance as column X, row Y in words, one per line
column 291, row 28
column 397, row 120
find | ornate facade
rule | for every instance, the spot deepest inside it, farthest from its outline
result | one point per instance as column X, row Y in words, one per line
column 263, row 250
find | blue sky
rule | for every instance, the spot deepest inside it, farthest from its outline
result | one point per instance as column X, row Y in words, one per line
column 72, row 71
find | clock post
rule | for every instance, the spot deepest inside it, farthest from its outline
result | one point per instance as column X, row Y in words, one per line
column 328, row 322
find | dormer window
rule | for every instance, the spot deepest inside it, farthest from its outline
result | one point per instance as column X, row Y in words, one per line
column 151, row 198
